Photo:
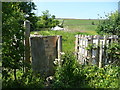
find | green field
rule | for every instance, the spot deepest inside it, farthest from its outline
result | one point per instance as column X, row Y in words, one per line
column 68, row 38
column 70, row 22
column 81, row 25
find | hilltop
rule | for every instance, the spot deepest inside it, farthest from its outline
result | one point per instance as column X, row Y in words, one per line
column 80, row 25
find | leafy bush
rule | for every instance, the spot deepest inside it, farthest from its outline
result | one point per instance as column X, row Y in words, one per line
column 93, row 23
column 70, row 74
column 12, row 38
column 73, row 75
column 13, row 46
column 111, row 25
column 114, row 51
column 106, row 77
column 25, row 80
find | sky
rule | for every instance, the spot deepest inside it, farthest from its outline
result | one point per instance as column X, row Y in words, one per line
column 77, row 9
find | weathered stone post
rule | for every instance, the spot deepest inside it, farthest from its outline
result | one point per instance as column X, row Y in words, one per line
column 27, row 43
column 59, row 48
column 44, row 51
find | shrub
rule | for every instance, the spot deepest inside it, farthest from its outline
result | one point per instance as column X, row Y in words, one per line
column 25, row 80
column 73, row 75
column 93, row 23
column 114, row 51
column 111, row 25
column 70, row 74
column 106, row 77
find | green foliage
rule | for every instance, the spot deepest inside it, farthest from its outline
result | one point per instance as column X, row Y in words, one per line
column 13, row 36
column 111, row 25
column 27, row 8
column 93, row 23
column 25, row 80
column 46, row 21
column 73, row 75
column 114, row 51
column 106, row 77
column 91, row 46
column 13, row 44
column 69, row 75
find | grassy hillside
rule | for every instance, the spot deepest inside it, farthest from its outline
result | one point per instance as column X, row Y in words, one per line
column 70, row 22
column 81, row 25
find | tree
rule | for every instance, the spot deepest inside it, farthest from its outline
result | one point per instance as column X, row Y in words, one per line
column 12, row 38
column 46, row 20
column 13, row 75
column 111, row 25
column 27, row 8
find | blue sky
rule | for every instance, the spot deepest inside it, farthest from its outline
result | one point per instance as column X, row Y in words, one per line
column 79, row 10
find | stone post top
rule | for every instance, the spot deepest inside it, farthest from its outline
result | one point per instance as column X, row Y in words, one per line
column 27, row 21
column 33, row 35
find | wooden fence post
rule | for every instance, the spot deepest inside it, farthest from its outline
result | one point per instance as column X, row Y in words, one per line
column 27, row 42
column 90, row 42
column 105, row 48
column 76, row 46
column 111, row 42
column 97, row 49
column 101, row 55
column 59, row 48
column 80, row 48
column 86, row 52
